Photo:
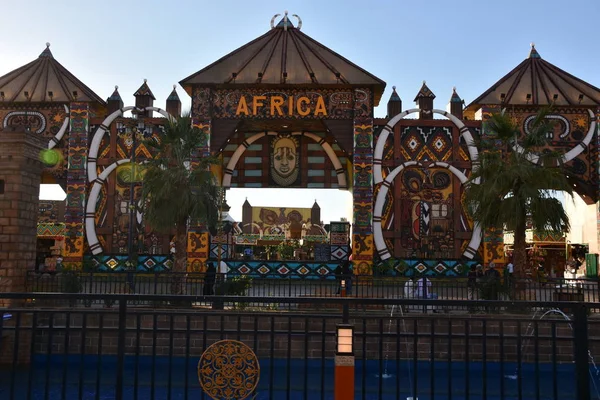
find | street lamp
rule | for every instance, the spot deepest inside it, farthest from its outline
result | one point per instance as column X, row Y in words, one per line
column 344, row 363
column 345, row 338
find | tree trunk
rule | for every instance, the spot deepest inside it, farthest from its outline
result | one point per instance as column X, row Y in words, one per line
column 180, row 262
column 520, row 248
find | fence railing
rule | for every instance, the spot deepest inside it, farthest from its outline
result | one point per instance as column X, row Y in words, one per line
column 585, row 290
column 152, row 353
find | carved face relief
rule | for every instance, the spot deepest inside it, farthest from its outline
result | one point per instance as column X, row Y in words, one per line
column 284, row 161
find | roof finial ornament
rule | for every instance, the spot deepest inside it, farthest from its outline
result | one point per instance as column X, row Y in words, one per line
column 174, row 87
column 285, row 20
column 454, row 88
column 393, row 87
column 273, row 20
column 145, row 80
column 299, row 21
column 532, row 45
column 116, row 87
column 47, row 45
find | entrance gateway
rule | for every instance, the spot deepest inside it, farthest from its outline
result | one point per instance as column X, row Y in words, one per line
column 285, row 111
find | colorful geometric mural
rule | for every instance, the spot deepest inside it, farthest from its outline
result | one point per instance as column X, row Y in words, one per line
column 50, row 230
column 198, row 249
column 76, row 182
column 362, row 190
column 283, row 269
column 118, row 263
column 432, row 267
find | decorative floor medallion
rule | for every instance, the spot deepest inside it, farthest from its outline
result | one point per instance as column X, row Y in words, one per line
column 228, row 370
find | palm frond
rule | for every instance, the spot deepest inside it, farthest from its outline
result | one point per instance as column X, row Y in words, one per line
column 178, row 184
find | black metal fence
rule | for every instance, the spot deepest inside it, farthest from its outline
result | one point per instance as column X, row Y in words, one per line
column 137, row 352
column 586, row 290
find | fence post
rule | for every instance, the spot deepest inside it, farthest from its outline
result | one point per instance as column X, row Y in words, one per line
column 121, row 347
column 582, row 368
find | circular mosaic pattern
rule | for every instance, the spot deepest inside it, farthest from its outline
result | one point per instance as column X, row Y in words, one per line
column 228, row 369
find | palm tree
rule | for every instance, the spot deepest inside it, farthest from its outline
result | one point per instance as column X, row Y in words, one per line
column 516, row 182
column 177, row 190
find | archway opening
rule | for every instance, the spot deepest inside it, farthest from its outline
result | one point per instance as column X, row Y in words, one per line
column 284, row 223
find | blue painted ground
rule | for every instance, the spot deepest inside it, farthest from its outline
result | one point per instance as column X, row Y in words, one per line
column 293, row 380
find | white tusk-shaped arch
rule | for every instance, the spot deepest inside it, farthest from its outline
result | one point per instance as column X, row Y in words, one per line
column 383, row 136
column 380, row 245
column 228, row 173
column 339, row 170
column 90, row 210
column 54, row 141
column 571, row 154
column 97, row 139
column 577, row 150
column 273, row 20
column 237, row 154
column 382, row 249
column 103, row 128
column 465, row 133
column 299, row 21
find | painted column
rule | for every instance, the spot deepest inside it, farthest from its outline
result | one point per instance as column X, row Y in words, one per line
column 362, row 193
column 76, row 183
column 198, row 246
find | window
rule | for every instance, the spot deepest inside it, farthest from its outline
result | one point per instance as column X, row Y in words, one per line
column 439, row 211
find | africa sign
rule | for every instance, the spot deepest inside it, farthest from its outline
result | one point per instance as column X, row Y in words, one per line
column 278, row 106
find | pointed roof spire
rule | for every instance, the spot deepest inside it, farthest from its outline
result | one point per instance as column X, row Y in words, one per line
column 45, row 80
column 535, row 82
column 47, row 52
column 394, row 105
column 114, row 102
column 533, row 52
column 316, row 205
column 424, row 92
column 115, row 96
column 144, row 90
column 455, row 98
column 394, row 96
column 173, row 95
column 267, row 60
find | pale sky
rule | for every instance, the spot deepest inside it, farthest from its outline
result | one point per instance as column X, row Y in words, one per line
column 467, row 44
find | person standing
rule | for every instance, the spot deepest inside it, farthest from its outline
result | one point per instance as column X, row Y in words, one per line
column 424, row 288
column 347, row 275
column 472, row 282
column 209, row 279
column 223, row 270
column 509, row 276
column 491, row 281
column 338, row 272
